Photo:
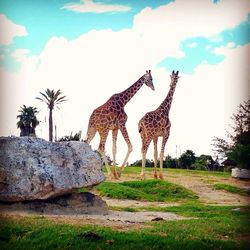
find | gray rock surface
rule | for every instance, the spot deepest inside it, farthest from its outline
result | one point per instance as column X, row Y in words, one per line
column 240, row 173
column 68, row 204
column 32, row 168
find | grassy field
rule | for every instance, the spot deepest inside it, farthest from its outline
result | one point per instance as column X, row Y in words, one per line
column 206, row 226
column 232, row 189
column 136, row 170
column 147, row 190
column 212, row 228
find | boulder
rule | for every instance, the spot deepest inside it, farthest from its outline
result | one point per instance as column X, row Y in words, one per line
column 33, row 168
column 240, row 173
column 68, row 204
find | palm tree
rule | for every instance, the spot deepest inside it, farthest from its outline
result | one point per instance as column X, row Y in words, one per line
column 51, row 98
column 27, row 121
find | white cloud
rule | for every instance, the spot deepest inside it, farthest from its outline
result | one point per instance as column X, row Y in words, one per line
column 89, row 6
column 192, row 45
column 20, row 54
column 223, row 49
column 10, row 30
column 188, row 18
column 201, row 108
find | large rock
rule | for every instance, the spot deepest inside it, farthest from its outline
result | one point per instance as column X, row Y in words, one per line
column 240, row 173
column 74, row 204
column 32, row 168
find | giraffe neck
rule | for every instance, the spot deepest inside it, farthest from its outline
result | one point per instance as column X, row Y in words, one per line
column 166, row 104
column 128, row 93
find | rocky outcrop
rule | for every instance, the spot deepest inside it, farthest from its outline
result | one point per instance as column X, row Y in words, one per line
column 32, row 168
column 69, row 204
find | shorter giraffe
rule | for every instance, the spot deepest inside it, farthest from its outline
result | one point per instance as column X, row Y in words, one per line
column 155, row 124
column 111, row 116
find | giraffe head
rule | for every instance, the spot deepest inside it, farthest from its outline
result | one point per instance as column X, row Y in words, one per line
column 174, row 77
column 148, row 80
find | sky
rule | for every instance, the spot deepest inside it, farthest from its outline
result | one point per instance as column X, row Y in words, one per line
column 91, row 50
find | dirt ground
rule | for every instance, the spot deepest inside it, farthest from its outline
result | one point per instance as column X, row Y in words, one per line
column 200, row 184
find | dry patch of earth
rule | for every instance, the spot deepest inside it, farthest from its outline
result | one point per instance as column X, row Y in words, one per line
column 119, row 220
column 204, row 188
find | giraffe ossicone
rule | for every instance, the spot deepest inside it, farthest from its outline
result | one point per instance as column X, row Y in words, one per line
column 111, row 116
column 156, row 124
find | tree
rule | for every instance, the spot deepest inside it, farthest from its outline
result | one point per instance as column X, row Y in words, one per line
column 27, row 121
column 51, row 98
column 237, row 149
column 241, row 124
column 187, row 159
column 205, row 162
column 148, row 163
column 169, row 162
column 241, row 155
column 221, row 147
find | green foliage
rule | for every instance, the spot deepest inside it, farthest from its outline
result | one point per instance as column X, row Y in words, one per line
column 238, row 150
column 241, row 155
column 148, row 163
column 71, row 137
column 51, row 98
column 170, row 162
column 27, row 121
column 241, row 124
column 148, row 190
column 187, row 159
column 199, row 166
column 232, row 189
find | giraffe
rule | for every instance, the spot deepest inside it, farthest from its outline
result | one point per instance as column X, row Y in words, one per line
column 155, row 124
column 111, row 116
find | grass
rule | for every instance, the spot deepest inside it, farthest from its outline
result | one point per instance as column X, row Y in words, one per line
column 147, row 190
column 207, row 227
column 213, row 227
column 232, row 189
column 136, row 170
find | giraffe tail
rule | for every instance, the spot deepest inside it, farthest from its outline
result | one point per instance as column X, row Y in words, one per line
column 140, row 126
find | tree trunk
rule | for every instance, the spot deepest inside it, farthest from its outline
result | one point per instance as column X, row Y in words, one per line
column 50, row 126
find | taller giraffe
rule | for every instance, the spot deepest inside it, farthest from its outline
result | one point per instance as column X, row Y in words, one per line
column 154, row 124
column 111, row 116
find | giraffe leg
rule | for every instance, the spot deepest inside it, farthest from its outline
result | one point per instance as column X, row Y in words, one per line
column 164, row 141
column 155, row 140
column 130, row 148
column 101, row 149
column 114, row 139
column 145, row 145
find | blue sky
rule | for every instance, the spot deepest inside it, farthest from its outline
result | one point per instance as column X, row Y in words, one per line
column 44, row 19
column 201, row 48
column 92, row 49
